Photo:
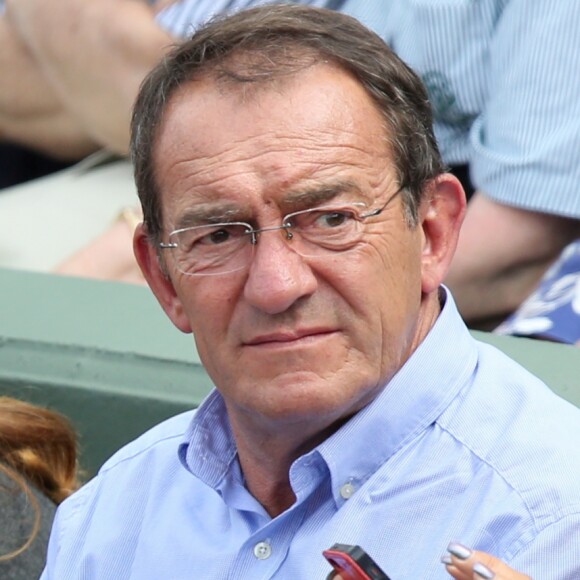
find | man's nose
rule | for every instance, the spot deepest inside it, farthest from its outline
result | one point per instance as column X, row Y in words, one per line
column 278, row 276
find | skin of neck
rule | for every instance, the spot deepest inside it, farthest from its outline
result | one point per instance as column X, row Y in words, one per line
column 266, row 455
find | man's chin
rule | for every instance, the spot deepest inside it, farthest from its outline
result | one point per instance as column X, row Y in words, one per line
column 299, row 397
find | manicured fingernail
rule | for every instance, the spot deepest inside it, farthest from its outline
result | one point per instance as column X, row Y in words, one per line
column 483, row 571
column 459, row 551
column 446, row 559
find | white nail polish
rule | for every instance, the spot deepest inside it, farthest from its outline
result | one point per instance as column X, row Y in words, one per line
column 459, row 550
column 483, row 571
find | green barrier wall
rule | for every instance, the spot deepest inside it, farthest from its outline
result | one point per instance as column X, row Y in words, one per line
column 102, row 353
column 105, row 355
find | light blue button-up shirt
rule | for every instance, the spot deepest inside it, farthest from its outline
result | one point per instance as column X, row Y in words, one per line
column 462, row 444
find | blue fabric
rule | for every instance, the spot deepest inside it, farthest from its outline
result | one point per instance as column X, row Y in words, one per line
column 462, row 444
column 553, row 310
column 183, row 17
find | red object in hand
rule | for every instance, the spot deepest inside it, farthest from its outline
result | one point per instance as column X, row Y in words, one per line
column 353, row 563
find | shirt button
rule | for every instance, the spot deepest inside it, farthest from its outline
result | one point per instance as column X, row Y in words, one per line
column 347, row 490
column 262, row 550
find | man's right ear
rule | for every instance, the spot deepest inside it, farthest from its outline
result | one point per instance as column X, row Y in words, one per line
column 154, row 272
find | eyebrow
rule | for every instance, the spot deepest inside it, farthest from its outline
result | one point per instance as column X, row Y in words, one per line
column 319, row 193
column 213, row 213
column 303, row 198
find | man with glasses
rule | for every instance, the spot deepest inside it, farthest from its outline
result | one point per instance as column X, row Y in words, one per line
column 299, row 222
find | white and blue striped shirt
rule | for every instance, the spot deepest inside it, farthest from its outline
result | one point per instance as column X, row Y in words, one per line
column 462, row 444
column 504, row 81
column 184, row 16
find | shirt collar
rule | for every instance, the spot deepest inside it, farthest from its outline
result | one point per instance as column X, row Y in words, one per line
column 208, row 448
column 412, row 400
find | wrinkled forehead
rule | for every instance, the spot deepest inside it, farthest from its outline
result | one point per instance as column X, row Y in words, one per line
column 243, row 78
column 315, row 126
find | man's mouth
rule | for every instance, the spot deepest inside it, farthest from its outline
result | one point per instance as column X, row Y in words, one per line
column 289, row 338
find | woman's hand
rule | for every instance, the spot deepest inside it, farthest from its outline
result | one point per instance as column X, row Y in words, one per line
column 465, row 564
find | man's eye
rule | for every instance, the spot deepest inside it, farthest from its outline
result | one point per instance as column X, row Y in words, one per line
column 206, row 237
column 333, row 219
column 216, row 237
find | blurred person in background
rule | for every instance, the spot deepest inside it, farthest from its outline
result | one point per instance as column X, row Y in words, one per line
column 38, row 470
column 71, row 69
column 503, row 78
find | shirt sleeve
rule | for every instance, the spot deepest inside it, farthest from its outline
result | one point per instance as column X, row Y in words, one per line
column 526, row 142
column 53, row 548
column 69, row 523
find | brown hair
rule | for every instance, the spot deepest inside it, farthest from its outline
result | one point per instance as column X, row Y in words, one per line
column 269, row 41
column 37, row 447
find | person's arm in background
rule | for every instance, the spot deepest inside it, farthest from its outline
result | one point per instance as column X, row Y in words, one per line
column 30, row 112
column 502, row 254
column 94, row 54
column 525, row 162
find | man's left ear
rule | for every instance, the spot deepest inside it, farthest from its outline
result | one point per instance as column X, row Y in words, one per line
column 441, row 214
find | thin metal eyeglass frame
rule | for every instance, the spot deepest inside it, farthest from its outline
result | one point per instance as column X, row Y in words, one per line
column 285, row 225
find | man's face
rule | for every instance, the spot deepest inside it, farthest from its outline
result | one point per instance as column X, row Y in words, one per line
column 292, row 340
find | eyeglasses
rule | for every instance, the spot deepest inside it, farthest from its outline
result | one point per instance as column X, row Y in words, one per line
column 223, row 248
